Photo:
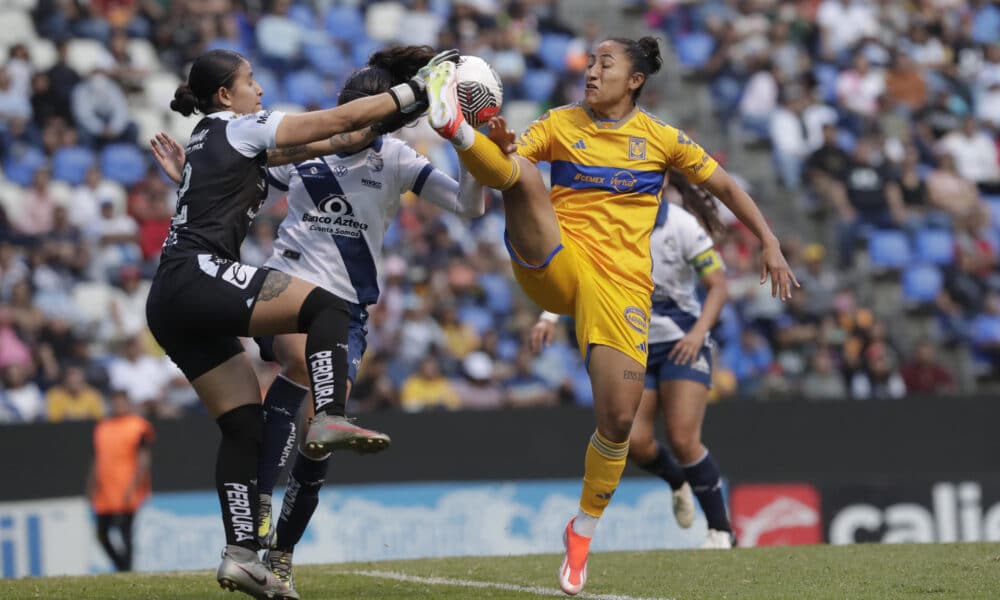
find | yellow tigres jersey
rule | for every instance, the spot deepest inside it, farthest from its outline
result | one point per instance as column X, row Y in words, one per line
column 606, row 181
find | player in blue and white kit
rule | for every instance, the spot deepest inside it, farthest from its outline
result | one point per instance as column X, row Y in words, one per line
column 339, row 207
column 679, row 367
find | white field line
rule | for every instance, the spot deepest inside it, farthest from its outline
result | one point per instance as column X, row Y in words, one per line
column 509, row 587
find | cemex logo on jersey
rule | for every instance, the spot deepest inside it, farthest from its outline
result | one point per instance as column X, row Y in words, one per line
column 938, row 512
column 776, row 515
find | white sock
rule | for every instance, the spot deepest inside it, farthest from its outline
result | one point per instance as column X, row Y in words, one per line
column 585, row 524
column 464, row 137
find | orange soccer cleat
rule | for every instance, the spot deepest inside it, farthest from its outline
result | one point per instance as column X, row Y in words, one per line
column 573, row 572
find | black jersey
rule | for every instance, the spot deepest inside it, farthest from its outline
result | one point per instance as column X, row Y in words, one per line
column 223, row 184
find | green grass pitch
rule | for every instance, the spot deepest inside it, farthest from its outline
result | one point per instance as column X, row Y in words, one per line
column 939, row 571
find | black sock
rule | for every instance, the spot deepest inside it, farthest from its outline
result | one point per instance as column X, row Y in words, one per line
column 301, row 498
column 326, row 320
column 236, row 473
column 706, row 482
column 281, row 405
column 665, row 467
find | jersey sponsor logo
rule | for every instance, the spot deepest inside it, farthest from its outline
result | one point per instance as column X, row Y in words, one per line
column 336, row 217
column 196, row 142
column 239, row 275
column 264, row 116
column 701, row 165
column 336, row 204
column 240, row 518
column 636, row 319
column 340, row 170
column 637, row 148
column 623, row 181
column 371, row 183
column 210, row 264
column 773, row 515
column 374, row 161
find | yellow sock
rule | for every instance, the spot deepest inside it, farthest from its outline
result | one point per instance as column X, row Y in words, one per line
column 602, row 471
column 488, row 164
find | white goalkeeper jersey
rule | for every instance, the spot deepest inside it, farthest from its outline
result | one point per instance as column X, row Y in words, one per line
column 340, row 206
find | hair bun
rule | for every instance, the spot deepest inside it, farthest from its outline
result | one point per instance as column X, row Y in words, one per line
column 184, row 102
column 650, row 48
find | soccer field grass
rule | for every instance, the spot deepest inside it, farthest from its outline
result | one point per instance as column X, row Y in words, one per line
column 864, row 571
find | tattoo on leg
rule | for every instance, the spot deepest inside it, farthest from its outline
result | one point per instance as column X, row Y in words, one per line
column 275, row 283
column 633, row 375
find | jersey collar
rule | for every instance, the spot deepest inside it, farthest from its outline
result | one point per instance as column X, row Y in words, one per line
column 610, row 123
column 377, row 145
column 227, row 115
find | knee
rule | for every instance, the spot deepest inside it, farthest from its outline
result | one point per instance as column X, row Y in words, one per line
column 617, row 425
column 294, row 369
column 685, row 444
column 316, row 303
column 243, row 423
column 641, row 449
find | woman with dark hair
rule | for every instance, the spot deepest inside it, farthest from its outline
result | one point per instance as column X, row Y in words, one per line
column 583, row 249
column 203, row 298
column 679, row 367
column 339, row 207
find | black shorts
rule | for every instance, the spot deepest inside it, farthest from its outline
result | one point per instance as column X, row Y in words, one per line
column 197, row 307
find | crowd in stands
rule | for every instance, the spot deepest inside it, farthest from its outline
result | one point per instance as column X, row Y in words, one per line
column 882, row 120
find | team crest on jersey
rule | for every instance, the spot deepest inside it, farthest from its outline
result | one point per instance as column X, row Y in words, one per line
column 374, row 161
column 636, row 319
column 637, row 148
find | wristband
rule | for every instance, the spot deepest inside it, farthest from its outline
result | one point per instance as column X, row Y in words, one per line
column 548, row 316
column 404, row 95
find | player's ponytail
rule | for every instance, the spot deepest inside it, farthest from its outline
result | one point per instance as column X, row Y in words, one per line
column 645, row 56
column 212, row 70
column 700, row 203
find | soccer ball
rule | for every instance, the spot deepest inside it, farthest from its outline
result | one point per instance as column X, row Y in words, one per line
column 480, row 92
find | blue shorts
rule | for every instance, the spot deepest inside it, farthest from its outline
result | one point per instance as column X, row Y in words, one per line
column 659, row 368
column 357, row 341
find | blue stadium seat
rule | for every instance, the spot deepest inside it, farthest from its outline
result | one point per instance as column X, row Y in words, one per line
column 361, row 49
column 922, row 283
column 538, row 84
column 22, row 163
column 985, row 25
column 345, row 23
column 985, row 329
column 304, row 15
column 826, row 78
column 694, row 49
column 935, row 246
column 123, row 163
column 227, row 44
column 994, row 203
column 481, row 319
column 498, row 293
column 326, row 58
column 552, row 51
column 889, row 249
column 306, row 87
column 274, row 91
column 71, row 164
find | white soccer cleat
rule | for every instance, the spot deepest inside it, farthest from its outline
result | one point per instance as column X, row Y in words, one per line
column 684, row 506
column 444, row 114
column 718, row 540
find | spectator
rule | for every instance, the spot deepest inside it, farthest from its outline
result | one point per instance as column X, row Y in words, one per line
column 905, row 86
column 62, row 79
column 880, row 379
column 975, row 155
column 101, row 110
column 73, row 399
column 859, row 89
column 760, row 99
column 39, row 206
column 114, row 239
column 949, row 191
column 23, row 401
column 477, row 388
column 524, row 387
column 374, row 389
column 120, row 479
column 459, row 338
column 823, row 381
column 827, row 163
column 923, row 374
column 13, row 351
column 85, row 206
column 796, row 132
column 127, row 307
column 419, row 332
column 843, row 23
column 750, row 360
column 143, row 377
column 15, row 104
column 427, row 388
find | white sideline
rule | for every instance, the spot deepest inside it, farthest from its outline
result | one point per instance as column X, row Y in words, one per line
column 509, row 587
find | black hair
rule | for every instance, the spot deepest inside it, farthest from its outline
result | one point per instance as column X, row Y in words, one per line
column 698, row 202
column 210, row 71
column 385, row 69
column 645, row 56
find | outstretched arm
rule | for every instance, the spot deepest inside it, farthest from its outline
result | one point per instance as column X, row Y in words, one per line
column 773, row 262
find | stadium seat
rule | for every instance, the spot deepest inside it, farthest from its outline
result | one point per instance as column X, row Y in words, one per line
column 43, row 54
column 498, row 293
column 159, row 88
column 92, row 299
column 361, row 49
column 16, row 26
column 383, row 20
column 694, row 49
column 985, row 24
column 123, row 163
column 21, row 165
column 552, row 51
column 826, row 78
column 441, row 8
column 985, row 330
column 481, row 319
column 921, row 283
column 994, row 203
column 304, row 15
column 935, row 246
column 71, row 164
column 143, row 55
column 149, row 122
column 326, row 58
column 85, row 55
column 221, row 43
column 306, row 88
column 520, row 113
column 538, row 85
column 889, row 249
column 344, row 23
column 274, row 91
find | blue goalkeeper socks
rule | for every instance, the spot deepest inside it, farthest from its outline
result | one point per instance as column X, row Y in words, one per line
column 281, row 405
